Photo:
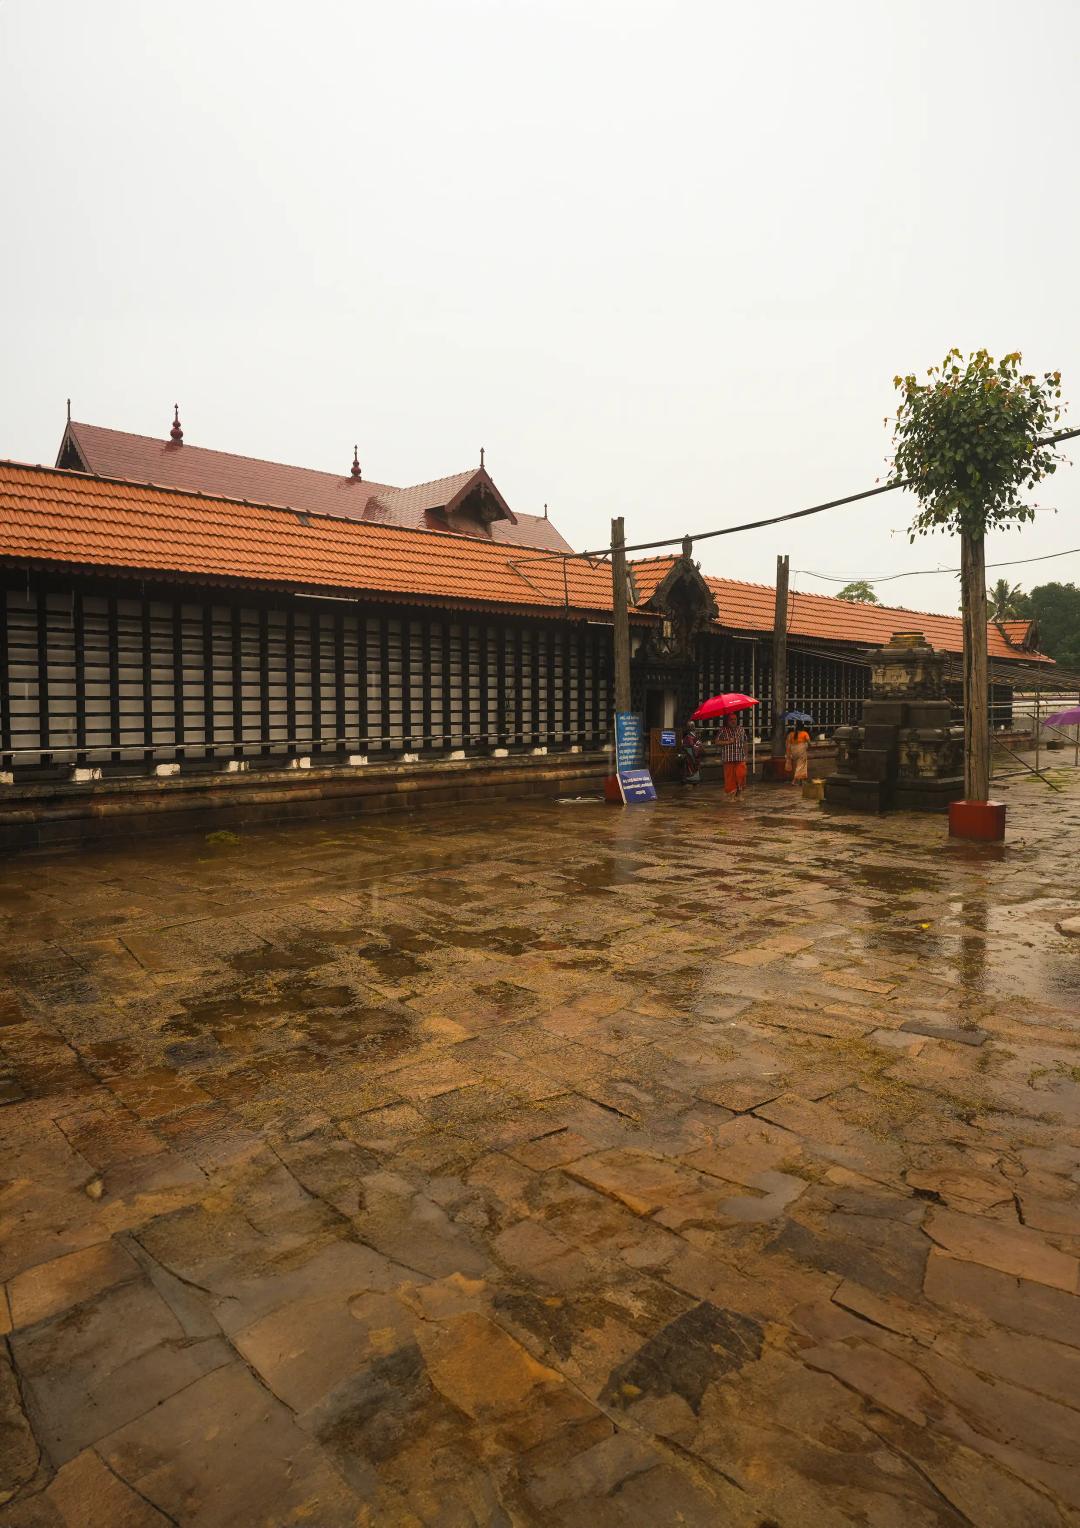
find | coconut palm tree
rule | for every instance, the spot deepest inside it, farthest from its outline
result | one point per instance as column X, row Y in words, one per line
column 1003, row 599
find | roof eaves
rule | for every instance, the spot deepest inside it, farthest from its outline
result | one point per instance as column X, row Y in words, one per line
column 352, row 593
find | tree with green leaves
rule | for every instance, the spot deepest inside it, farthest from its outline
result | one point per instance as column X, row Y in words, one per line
column 1056, row 607
column 858, row 593
column 1003, row 600
column 968, row 442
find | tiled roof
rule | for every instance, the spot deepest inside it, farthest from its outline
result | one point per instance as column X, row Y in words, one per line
column 1019, row 634
column 52, row 516
column 751, row 608
column 143, row 459
column 406, row 506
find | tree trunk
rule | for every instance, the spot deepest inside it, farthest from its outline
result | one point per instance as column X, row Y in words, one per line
column 621, row 622
column 976, row 690
column 779, row 658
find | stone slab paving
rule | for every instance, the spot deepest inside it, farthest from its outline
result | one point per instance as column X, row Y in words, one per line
column 546, row 1164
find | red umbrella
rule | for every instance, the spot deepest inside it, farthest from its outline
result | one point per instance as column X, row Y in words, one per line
column 722, row 705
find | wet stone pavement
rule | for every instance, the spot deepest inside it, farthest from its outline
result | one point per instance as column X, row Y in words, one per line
column 548, row 1164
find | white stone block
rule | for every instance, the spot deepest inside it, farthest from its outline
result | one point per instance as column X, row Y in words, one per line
column 303, row 762
column 457, row 753
column 537, row 751
column 6, row 777
column 575, row 747
column 236, row 767
column 356, row 760
column 163, row 771
column 81, row 775
column 500, row 753
column 410, row 758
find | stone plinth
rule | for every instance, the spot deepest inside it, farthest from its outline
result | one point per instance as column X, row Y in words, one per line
column 905, row 753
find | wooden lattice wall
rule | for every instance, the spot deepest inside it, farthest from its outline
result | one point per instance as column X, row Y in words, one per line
column 119, row 676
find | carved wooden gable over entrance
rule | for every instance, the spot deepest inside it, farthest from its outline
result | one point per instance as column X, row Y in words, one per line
column 686, row 605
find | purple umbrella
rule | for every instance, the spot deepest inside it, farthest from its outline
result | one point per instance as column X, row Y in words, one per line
column 1070, row 718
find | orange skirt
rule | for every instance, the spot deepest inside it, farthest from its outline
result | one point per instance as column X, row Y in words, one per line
column 734, row 777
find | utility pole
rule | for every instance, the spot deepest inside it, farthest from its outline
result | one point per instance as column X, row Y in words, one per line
column 779, row 657
column 621, row 610
column 976, row 664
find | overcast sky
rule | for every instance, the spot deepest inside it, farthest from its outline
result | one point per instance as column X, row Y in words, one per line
column 661, row 260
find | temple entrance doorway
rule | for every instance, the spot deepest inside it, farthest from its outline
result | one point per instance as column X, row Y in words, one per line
column 659, row 708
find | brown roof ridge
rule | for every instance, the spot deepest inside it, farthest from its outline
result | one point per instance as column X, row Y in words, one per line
column 236, row 456
column 288, row 509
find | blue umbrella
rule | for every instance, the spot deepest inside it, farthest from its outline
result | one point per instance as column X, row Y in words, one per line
column 797, row 716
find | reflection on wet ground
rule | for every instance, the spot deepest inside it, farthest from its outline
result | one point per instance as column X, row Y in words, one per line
column 543, row 1164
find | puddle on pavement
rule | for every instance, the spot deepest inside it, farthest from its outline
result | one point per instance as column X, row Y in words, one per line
column 892, row 878
column 111, row 1057
column 389, row 1031
column 295, row 957
column 391, row 965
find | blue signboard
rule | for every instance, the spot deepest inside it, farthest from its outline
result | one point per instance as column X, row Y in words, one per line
column 667, row 738
column 635, row 781
column 636, row 785
column 629, row 741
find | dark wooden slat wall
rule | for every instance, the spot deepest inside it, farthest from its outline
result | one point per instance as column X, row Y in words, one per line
column 116, row 676
column 91, row 675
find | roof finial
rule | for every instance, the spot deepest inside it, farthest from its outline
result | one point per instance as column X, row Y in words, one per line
column 176, row 433
column 545, row 511
column 687, row 546
column 481, row 457
column 355, row 468
column 69, row 411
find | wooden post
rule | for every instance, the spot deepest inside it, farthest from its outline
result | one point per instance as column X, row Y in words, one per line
column 976, row 694
column 620, row 607
column 779, row 658
column 1038, row 722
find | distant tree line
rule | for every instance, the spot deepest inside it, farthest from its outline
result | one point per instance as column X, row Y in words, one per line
column 1056, row 608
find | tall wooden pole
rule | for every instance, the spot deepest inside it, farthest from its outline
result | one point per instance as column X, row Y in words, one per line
column 779, row 657
column 621, row 609
column 976, row 690
column 1038, row 722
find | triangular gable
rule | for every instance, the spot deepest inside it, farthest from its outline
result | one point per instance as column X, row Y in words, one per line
column 71, row 454
column 685, row 586
column 480, row 499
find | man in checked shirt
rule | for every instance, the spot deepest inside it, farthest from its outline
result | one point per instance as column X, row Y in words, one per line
column 731, row 750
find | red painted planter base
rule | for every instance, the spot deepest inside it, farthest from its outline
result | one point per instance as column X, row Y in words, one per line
column 977, row 819
column 775, row 769
column 611, row 789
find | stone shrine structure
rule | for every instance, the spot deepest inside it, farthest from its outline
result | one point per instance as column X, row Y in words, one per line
column 905, row 753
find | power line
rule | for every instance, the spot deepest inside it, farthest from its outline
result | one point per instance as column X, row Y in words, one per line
column 887, row 578
column 795, row 514
column 749, row 525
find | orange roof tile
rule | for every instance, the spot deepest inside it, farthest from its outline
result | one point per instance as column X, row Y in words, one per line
column 50, row 515
column 750, row 607
column 1019, row 633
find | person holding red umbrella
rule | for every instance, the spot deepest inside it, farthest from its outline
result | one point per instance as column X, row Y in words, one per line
column 731, row 739
column 731, row 748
